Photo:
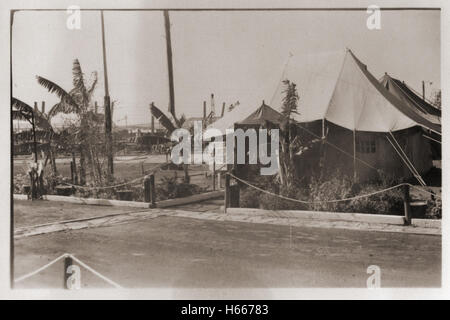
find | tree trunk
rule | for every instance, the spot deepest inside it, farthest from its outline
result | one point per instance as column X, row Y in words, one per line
column 82, row 166
column 52, row 155
column 90, row 157
column 74, row 160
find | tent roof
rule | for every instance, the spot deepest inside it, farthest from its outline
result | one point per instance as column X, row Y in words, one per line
column 346, row 94
column 402, row 91
column 360, row 102
column 261, row 115
column 228, row 120
column 315, row 76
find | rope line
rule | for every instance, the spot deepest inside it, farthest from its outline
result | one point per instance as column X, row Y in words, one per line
column 134, row 181
column 95, row 272
column 425, row 136
column 28, row 275
column 415, row 172
column 317, row 202
column 335, row 200
column 65, row 255
column 424, row 190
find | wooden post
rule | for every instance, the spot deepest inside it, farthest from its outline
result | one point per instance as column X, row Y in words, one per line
column 406, row 205
column 152, row 190
column 33, row 125
column 227, row 193
column 423, row 90
column 32, row 185
column 214, row 168
column 213, row 107
column 147, row 196
column 72, row 175
column 204, row 114
column 149, row 190
column 108, row 114
column 186, row 173
column 354, row 155
column 67, row 263
column 153, row 124
column 169, row 63
column 223, row 110
column 74, row 160
column 219, row 180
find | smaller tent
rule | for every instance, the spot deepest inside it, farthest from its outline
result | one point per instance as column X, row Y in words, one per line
column 243, row 116
column 262, row 115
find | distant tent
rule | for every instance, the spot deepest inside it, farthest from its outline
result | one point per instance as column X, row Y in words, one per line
column 403, row 92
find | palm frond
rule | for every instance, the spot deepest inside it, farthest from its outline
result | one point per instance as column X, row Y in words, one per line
column 62, row 107
column 17, row 115
column 23, row 110
column 90, row 91
column 60, row 92
column 182, row 120
column 78, row 77
column 162, row 118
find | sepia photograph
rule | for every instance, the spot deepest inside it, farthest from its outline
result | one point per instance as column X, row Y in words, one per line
column 225, row 148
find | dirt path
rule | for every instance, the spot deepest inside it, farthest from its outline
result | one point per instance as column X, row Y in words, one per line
column 184, row 252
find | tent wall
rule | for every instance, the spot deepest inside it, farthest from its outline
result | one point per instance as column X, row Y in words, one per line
column 373, row 149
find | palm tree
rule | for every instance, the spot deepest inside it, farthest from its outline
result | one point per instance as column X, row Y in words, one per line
column 23, row 111
column 79, row 101
column 170, row 125
column 289, row 140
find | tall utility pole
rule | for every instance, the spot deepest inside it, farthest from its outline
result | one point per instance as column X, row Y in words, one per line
column 169, row 63
column 33, row 127
column 108, row 125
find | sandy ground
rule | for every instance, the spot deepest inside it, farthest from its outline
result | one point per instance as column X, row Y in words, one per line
column 184, row 252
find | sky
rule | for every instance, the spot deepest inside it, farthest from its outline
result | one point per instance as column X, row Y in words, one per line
column 235, row 55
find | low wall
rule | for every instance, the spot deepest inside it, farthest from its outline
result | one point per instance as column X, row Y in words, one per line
column 121, row 203
column 344, row 216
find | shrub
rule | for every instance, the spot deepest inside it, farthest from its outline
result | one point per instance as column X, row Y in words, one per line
column 249, row 198
column 336, row 187
column 169, row 188
column 389, row 202
column 434, row 209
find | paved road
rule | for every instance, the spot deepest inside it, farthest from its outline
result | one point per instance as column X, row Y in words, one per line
column 194, row 253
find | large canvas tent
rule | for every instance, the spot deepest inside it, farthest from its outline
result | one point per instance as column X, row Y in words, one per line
column 346, row 105
column 380, row 131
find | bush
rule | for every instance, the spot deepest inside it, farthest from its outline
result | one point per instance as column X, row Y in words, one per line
column 19, row 181
column 270, row 202
column 434, row 209
column 389, row 202
column 169, row 188
column 249, row 198
column 335, row 187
